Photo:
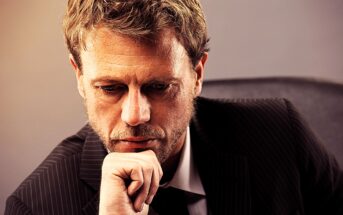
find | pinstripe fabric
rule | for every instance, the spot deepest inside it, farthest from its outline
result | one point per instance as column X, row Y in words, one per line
column 66, row 182
column 259, row 158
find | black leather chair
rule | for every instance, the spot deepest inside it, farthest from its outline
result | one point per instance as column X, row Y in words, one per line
column 319, row 102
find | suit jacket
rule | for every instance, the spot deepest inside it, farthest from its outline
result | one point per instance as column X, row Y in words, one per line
column 253, row 157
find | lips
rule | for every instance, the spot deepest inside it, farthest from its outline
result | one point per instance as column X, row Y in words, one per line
column 136, row 139
column 135, row 144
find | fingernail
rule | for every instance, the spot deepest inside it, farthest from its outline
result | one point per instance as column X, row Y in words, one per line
column 142, row 207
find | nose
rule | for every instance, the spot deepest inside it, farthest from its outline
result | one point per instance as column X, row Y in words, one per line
column 135, row 108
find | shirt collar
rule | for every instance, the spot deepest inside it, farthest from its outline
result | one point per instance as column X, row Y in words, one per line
column 186, row 176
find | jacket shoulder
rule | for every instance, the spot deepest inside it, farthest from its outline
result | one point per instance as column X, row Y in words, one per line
column 68, row 149
column 16, row 206
column 233, row 117
column 279, row 147
column 246, row 107
column 56, row 177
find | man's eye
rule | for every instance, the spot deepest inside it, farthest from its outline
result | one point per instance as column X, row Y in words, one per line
column 157, row 87
column 112, row 88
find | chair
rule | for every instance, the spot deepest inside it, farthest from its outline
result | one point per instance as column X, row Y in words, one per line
column 319, row 102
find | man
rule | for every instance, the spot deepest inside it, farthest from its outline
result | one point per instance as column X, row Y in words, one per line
column 139, row 66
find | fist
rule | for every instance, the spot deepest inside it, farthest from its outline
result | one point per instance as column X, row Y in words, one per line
column 129, row 182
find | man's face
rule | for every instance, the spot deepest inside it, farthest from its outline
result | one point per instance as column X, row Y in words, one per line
column 138, row 96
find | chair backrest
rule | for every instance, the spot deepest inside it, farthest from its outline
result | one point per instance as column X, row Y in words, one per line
column 319, row 102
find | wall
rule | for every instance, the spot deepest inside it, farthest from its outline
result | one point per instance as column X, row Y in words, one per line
column 39, row 101
column 273, row 37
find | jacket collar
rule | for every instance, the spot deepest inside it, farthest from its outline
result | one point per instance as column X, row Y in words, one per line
column 225, row 176
column 92, row 157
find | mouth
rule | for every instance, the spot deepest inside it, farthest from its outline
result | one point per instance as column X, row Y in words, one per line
column 134, row 144
column 136, row 139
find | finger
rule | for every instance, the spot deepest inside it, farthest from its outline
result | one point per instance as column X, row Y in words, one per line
column 158, row 165
column 137, row 178
column 134, row 187
column 144, row 191
column 145, row 210
column 155, row 182
column 155, row 179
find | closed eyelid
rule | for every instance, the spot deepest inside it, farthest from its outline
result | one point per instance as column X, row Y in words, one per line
column 114, row 86
column 157, row 83
column 106, row 83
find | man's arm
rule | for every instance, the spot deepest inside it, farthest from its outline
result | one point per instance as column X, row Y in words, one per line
column 129, row 182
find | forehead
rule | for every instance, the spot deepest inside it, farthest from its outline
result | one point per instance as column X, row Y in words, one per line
column 105, row 41
column 108, row 52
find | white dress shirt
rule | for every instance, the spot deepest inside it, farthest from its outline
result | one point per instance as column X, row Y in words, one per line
column 187, row 178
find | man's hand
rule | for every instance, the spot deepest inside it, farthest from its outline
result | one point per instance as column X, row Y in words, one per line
column 129, row 181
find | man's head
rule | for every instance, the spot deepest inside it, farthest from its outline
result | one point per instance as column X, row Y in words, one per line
column 139, row 66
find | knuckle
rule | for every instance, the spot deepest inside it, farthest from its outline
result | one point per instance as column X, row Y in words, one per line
column 137, row 171
column 109, row 158
column 140, row 183
column 161, row 173
column 106, row 160
column 149, row 169
column 150, row 152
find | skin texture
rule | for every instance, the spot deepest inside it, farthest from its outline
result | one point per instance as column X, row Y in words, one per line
column 139, row 99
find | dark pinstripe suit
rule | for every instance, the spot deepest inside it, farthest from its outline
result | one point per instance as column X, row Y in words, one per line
column 253, row 156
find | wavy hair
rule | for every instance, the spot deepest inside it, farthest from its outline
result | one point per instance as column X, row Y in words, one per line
column 137, row 19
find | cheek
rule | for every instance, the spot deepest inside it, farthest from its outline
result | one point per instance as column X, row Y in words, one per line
column 104, row 114
column 173, row 113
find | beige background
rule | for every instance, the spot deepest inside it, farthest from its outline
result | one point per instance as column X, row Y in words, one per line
column 39, row 101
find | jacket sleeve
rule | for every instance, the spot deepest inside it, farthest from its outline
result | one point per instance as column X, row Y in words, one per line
column 321, row 176
column 15, row 206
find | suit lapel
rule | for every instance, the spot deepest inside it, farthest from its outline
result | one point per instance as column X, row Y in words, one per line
column 92, row 207
column 226, row 184
column 225, row 176
column 92, row 157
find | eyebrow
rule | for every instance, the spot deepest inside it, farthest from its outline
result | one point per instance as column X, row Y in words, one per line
column 109, row 79
column 114, row 80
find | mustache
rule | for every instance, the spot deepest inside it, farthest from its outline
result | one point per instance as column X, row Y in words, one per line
column 137, row 131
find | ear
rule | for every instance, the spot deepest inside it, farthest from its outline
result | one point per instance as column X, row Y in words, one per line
column 79, row 75
column 199, row 70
